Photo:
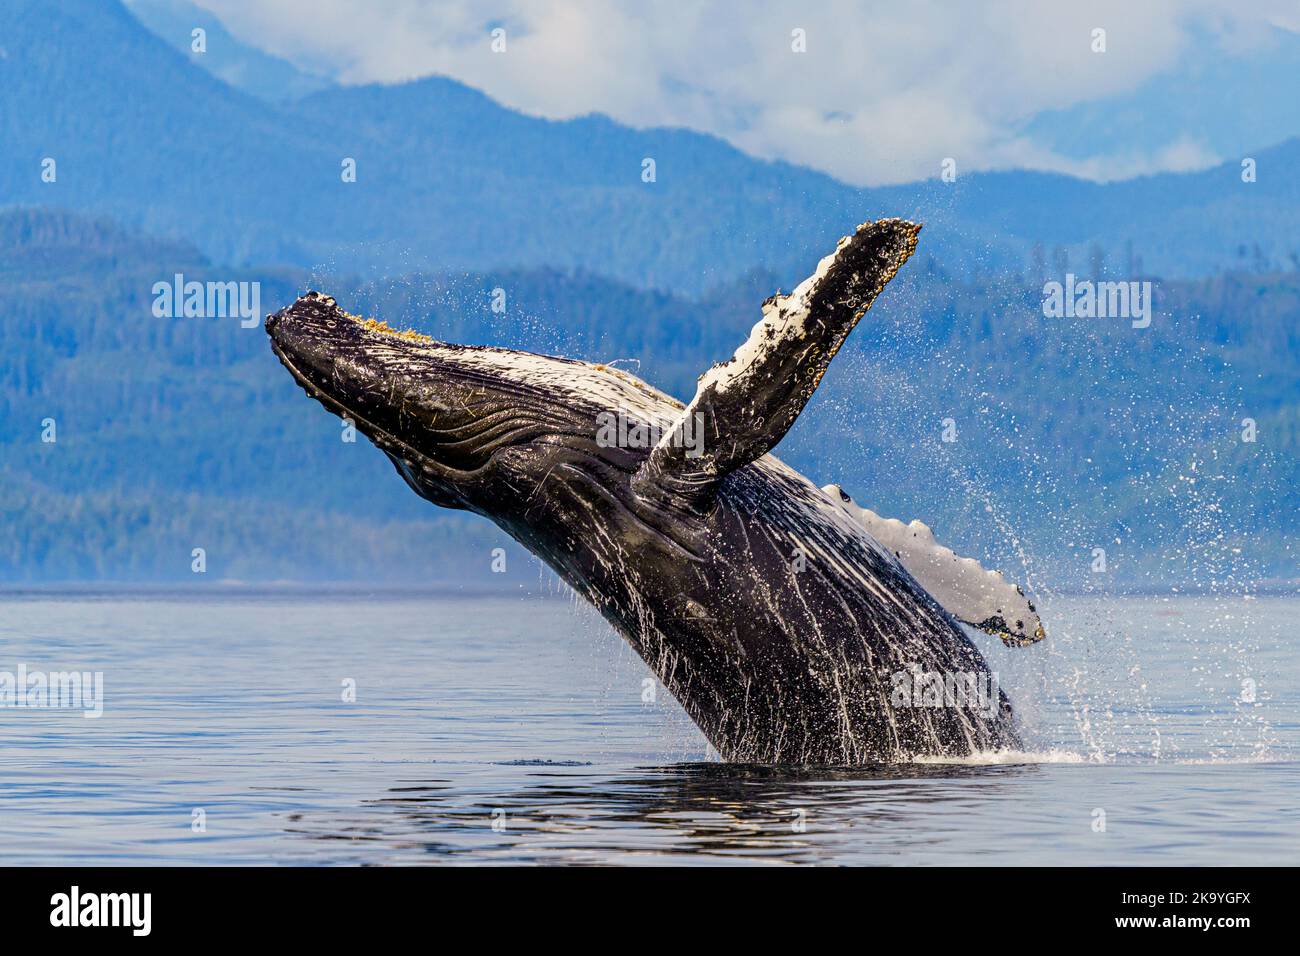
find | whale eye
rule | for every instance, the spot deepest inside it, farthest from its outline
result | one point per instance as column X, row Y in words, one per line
column 844, row 495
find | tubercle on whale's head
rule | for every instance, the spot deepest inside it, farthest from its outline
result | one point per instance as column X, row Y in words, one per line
column 458, row 422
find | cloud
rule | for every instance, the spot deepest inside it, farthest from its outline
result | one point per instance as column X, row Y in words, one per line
column 883, row 94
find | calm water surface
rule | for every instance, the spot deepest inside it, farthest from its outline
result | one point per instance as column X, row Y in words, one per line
column 521, row 730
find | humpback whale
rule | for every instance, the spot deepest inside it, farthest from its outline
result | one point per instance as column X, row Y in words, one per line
column 793, row 626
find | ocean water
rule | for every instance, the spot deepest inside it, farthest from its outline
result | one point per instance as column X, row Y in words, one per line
column 507, row 730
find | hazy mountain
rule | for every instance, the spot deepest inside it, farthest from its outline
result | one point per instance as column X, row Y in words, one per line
column 1217, row 102
column 242, row 66
column 448, row 179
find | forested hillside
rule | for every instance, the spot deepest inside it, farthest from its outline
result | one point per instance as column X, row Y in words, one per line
column 1070, row 434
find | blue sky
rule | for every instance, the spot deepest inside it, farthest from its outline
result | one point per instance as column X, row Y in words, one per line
column 883, row 92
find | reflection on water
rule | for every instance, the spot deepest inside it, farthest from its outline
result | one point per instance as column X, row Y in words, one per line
column 493, row 730
column 681, row 810
column 713, row 813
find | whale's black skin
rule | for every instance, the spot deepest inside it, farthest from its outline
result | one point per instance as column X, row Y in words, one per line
column 775, row 620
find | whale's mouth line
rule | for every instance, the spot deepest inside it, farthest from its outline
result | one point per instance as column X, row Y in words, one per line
column 380, row 435
column 383, row 436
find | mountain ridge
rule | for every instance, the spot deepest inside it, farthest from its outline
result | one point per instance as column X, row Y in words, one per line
column 449, row 179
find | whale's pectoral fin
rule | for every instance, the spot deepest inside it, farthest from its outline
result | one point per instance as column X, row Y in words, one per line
column 983, row 599
column 744, row 406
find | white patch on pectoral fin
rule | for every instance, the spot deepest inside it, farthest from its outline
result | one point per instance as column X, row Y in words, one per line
column 745, row 405
column 980, row 598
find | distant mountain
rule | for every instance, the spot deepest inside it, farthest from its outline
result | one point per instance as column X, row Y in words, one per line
column 447, row 179
column 1222, row 99
column 178, row 433
column 242, row 66
column 1218, row 102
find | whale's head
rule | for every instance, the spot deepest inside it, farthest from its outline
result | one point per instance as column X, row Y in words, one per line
column 466, row 426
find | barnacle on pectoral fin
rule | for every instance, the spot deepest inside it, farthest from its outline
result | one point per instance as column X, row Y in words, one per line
column 998, row 628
